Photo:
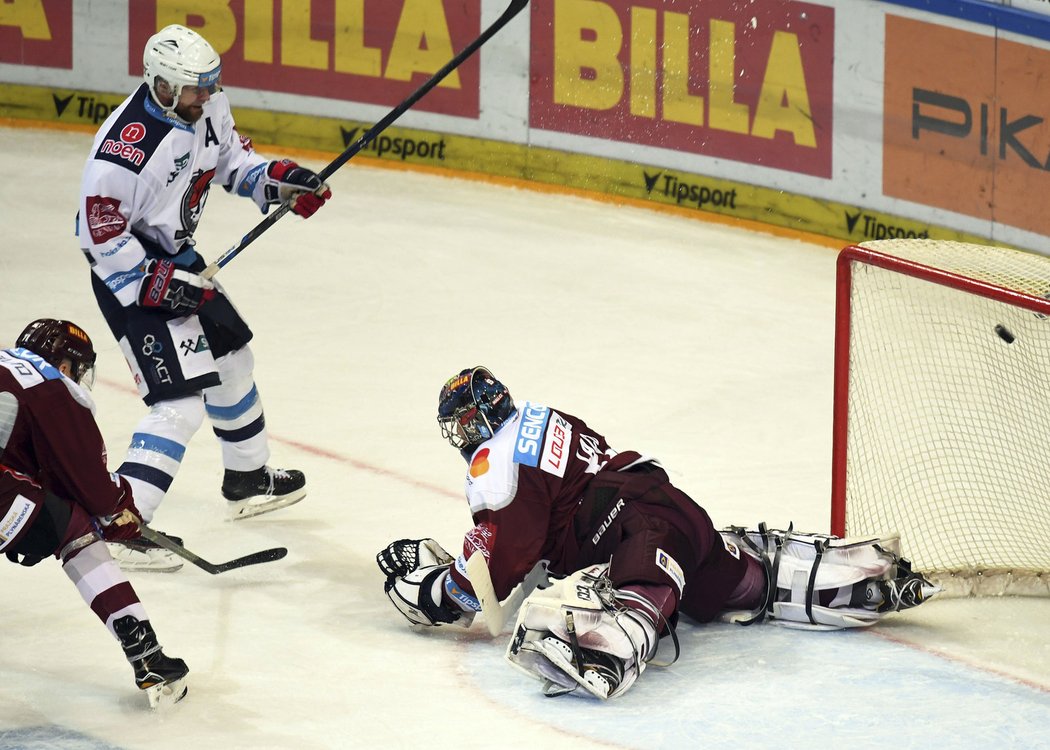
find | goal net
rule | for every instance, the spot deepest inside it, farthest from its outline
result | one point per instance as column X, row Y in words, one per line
column 942, row 409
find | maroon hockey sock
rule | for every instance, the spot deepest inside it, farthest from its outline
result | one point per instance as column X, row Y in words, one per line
column 751, row 590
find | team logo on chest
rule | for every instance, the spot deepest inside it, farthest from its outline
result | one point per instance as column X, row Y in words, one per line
column 194, row 198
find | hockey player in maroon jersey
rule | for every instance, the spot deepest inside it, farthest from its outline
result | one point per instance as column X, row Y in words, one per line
column 627, row 550
column 143, row 192
column 56, row 492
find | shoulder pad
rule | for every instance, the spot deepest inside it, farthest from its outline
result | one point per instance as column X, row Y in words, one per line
column 134, row 135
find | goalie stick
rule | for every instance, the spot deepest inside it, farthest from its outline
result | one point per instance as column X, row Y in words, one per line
column 266, row 555
column 497, row 613
column 512, row 10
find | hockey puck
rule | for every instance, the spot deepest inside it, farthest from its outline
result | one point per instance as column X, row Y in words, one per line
column 1004, row 333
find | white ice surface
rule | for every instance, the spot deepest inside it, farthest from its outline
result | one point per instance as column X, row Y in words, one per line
column 709, row 347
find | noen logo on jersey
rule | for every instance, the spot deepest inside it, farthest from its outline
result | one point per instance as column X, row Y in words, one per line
column 530, row 431
column 124, row 148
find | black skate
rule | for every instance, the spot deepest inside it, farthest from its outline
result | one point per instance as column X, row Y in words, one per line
column 252, row 493
column 163, row 678
column 143, row 555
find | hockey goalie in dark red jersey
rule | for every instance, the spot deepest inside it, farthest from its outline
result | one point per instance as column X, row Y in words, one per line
column 56, row 492
column 627, row 551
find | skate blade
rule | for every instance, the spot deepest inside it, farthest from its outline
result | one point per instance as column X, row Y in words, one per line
column 252, row 506
column 167, row 694
column 136, row 561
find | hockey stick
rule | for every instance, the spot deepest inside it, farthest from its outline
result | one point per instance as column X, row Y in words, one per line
column 512, row 10
column 267, row 555
column 497, row 613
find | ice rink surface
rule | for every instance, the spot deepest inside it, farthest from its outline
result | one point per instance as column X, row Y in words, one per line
column 707, row 346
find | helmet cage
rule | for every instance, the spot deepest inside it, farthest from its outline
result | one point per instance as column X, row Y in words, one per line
column 58, row 341
column 182, row 58
column 472, row 407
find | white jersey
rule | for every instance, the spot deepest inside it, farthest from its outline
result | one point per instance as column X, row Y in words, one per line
column 146, row 182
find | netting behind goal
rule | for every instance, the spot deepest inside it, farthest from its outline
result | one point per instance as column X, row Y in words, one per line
column 942, row 409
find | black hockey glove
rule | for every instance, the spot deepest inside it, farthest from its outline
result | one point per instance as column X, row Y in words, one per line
column 290, row 183
column 418, row 596
column 167, row 287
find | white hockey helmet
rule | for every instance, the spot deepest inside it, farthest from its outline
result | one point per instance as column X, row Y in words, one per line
column 182, row 57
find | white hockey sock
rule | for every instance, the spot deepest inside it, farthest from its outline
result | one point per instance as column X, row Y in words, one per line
column 157, row 447
column 236, row 413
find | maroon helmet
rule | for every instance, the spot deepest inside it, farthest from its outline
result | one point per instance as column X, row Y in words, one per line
column 59, row 340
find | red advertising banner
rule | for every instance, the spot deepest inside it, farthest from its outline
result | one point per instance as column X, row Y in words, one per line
column 371, row 51
column 967, row 123
column 751, row 82
column 37, row 33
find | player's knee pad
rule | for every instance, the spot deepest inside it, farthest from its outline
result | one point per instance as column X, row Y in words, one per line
column 575, row 633
column 823, row 582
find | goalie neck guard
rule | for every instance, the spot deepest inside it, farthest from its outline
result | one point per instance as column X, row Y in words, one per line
column 472, row 406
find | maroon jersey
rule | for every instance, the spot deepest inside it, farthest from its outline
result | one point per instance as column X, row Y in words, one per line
column 548, row 487
column 48, row 434
column 524, row 486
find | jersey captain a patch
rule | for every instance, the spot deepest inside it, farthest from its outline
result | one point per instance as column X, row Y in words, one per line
column 543, row 439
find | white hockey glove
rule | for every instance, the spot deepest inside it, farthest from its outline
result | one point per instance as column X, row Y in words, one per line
column 287, row 182
column 418, row 596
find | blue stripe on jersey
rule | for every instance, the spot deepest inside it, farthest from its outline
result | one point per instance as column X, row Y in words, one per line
column 49, row 371
column 247, row 185
column 186, row 258
column 457, row 594
column 148, row 474
column 527, row 444
column 237, row 410
column 248, row 431
column 121, row 279
column 157, row 444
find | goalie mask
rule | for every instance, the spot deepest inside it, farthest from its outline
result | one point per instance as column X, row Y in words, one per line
column 472, row 406
column 59, row 340
column 181, row 58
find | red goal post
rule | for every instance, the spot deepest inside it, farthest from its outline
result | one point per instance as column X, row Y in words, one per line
column 942, row 409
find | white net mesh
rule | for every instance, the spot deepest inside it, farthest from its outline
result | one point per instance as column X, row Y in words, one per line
column 948, row 427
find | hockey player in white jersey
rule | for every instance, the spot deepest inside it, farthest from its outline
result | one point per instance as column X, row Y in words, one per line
column 144, row 187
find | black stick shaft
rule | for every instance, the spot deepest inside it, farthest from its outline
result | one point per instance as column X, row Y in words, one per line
column 253, row 559
column 512, row 10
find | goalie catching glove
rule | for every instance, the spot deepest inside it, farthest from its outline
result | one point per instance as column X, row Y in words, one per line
column 416, row 574
column 284, row 181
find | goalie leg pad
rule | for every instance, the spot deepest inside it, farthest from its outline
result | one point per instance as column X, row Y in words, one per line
column 575, row 634
column 824, row 582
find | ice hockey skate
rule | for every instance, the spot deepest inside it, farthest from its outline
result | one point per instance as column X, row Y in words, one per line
column 142, row 555
column 163, row 678
column 252, row 493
